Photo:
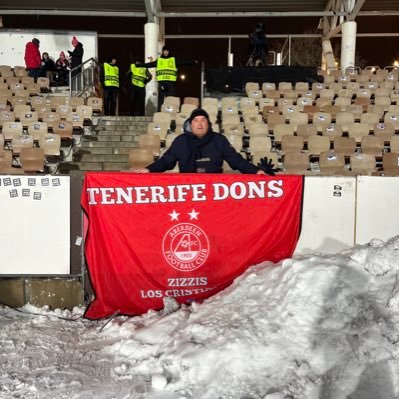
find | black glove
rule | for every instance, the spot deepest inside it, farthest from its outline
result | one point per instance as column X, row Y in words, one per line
column 267, row 166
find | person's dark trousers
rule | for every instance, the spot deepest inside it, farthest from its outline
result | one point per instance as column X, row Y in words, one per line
column 165, row 89
column 34, row 73
column 137, row 101
column 110, row 97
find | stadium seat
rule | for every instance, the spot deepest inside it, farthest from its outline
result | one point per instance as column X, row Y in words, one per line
column 358, row 130
column 64, row 129
column 20, row 141
column 318, row 144
column 160, row 129
column 332, row 131
column 296, row 162
column 151, row 142
column 331, row 163
column 140, row 158
column 390, row 163
column 291, row 144
column 191, row 100
column 32, row 159
column 10, row 129
column 362, row 164
column 37, row 129
column 372, row 145
column 51, row 144
column 96, row 103
column 344, row 145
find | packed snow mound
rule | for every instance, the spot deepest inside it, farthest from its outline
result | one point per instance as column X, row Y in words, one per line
column 312, row 327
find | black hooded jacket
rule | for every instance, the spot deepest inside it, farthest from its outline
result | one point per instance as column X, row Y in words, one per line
column 201, row 155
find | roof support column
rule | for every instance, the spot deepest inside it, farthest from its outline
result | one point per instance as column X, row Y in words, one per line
column 151, row 33
column 348, row 45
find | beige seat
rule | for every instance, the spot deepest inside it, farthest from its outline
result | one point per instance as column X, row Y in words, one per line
column 37, row 101
column 86, row 111
column 229, row 109
column 191, row 100
column 258, row 129
column 162, row 117
column 258, row 143
column 275, row 119
column 390, row 163
column 96, row 104
column 172, row 100
column 344, row 145
column 76, row 118
column 44, row 84
column 250, row 110
column 306, row 131
column 213, row 102
column 20, row 71
column 301, row 102
column 21, row 109
column 370, row 118
column 228, row 119
column 32, row 159
column 64, row 129
column 10, row 129
column 298, row 119
column 5, row 158
column 20, row 141
column 151, row 142
column 265, row 102
column 33, row 89
column 251, row 86
column 296, row 162
column 321, row 119
column 394, row 144
column 372, row 145
column 385, row 102
column 291, row 144
column 180, row 119
column 140, row 158
column 358, row 130
column 50, row 118
column 342, row 102
column 37, row 129
column 344, row 119
column 284, row 101
column 301, row 86
column 233, row 128
column 28, row 117
column 251, row 119
column 318, row 144
column 246, row 101
column 187, row 108
column 235, row 140
column 160, row 129
column 6, row 116
column 255, row 94
column 51, row 144
column 55, row 101
column 331, row 163
column 74, row 102
column 362, row 164
column 63, row 110
column 392, row 118
column 280, row 130
column 170, row 108
column 332, row 131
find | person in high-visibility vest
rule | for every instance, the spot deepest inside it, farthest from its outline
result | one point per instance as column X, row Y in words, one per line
column 139, row 76
column 166, row 73
column 110, row 82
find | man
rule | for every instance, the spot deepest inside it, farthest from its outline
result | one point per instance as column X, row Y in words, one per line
column 140, row 76
column 200, row 150
column 111, row 85
column 33, row 60
column 166, row 73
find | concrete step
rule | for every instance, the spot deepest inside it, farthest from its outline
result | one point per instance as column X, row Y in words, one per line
column 122, row 150
column 111, row 144
column 94, row 150
column 88, row 165
column 101, row 158
column 126, row 119
column 124, row 132
column 116, row 166
column 122, row 127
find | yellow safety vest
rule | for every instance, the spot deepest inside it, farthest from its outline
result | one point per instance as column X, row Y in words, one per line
column 166, row 69
column 111, row 75
column 139, row 75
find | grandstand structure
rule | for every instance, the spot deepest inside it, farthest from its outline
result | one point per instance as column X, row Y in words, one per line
column 344, row 124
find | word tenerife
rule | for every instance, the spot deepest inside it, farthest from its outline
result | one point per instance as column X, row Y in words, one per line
column 184, row 192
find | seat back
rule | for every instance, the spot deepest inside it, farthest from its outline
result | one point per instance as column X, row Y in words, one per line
column 151, row 142
column 10, row 129
column 344, row 145
column 37, row 129
column 296, row 162
column 20, row 141
column 160, row 129
column 331, row 162
column 140, row 157
column 96, row 103
column 51, row 144
column 390, row 162
column 32, row 159
column 64, row 129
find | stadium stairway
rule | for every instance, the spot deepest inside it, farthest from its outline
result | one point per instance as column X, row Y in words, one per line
column 107, row 144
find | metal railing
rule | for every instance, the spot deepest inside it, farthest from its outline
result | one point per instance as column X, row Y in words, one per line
column 84, row 78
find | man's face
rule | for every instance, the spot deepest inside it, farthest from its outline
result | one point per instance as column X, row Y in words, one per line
column 199, row 126
column 165, row 53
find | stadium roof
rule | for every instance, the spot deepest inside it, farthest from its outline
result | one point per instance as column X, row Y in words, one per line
column 200, row 8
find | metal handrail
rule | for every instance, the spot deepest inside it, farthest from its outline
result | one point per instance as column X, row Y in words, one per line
column 80, row 83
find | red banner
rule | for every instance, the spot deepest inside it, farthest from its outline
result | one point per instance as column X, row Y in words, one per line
column 187, row 236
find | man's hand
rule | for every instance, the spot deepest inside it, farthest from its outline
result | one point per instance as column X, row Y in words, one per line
column 267, row 166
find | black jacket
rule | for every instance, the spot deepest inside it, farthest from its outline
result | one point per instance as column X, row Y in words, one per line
column 76, row 55
column 205, row 155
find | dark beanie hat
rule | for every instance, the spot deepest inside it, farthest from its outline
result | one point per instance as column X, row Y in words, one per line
column 35, row 41
column 199, row 112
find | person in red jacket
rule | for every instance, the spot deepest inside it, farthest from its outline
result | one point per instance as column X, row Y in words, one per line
column 33, row 60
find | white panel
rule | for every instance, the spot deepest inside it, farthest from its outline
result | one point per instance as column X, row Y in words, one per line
column 377, row 208
column 12, row 48
column 35, row 225
column 328, row 216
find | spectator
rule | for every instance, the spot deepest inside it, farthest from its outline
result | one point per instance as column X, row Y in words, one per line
column 33, row 60
column 62, row 66
column 140, row 76
column 76, row 55
column 110, row 82
column 166, row 72
column 200, row 150
column 258, row 46
column 48, row 67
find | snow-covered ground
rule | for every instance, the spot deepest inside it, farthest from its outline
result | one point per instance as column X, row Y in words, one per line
column 318, row 326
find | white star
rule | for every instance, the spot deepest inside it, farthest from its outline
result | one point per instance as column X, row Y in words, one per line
column 174, row 215
column 193, row 214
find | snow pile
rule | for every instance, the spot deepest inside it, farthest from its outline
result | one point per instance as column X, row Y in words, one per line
column 313, row 327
